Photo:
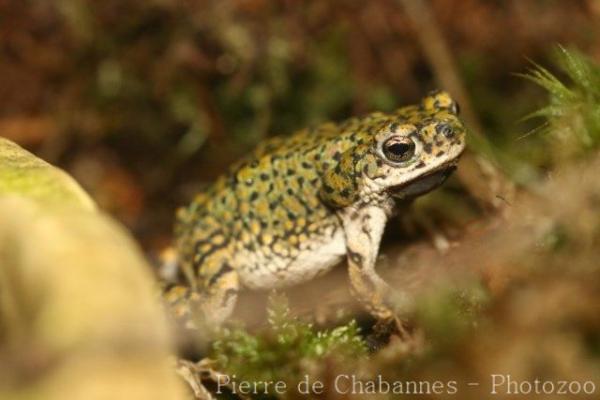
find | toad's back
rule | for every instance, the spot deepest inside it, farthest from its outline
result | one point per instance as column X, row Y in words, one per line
column 265, row 217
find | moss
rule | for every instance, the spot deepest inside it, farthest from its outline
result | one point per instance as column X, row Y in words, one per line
column 286, row 349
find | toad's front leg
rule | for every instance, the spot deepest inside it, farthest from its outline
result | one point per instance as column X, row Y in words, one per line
column 363, row 228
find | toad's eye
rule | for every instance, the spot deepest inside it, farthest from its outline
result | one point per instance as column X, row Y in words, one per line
column 445, row 130
column 398, row 149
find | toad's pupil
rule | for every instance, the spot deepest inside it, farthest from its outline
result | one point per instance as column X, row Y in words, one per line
column 398, row 149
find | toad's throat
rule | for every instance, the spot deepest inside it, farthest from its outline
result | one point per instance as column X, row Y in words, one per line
column 423, row 184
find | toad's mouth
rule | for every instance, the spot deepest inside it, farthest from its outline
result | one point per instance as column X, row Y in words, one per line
column 422, row 184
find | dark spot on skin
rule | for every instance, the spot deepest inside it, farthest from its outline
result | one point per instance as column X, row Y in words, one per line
column 254, row 196
column 427, row 148
column 379, row 163
column 394, row 126
column 306, row 165
column 332, row 234
column 225, row 268
column 275, row 173
column 440, row 153
column 249, row 182
column 356, row 258
column 366, row 231
column 345, row 193
column 254, row 164
column 290, row 172
column 291, row 215
column 421, row 164
column 263, row 224
column 271, row 187
column 328, row 189
column 203, row 256
column 300, row 180
column 290, row 192
column 273, row 205
column 317, row 157
column 264, row 177
column 314, row 181
column 326, row 165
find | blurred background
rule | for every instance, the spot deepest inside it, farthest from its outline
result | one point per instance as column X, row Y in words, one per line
column 145, row 101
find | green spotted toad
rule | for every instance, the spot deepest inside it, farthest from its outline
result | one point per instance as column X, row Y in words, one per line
column 299, row 205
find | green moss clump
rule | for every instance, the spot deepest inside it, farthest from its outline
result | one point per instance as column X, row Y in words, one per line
column 287, row 349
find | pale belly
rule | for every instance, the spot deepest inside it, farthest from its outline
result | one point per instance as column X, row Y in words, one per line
column 258, row 271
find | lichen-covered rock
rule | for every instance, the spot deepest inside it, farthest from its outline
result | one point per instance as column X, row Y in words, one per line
column 79, row 318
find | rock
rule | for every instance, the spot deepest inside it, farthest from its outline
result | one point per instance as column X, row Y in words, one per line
column 79, row 317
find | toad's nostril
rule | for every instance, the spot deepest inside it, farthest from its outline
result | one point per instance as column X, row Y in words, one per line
column 445, row 130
